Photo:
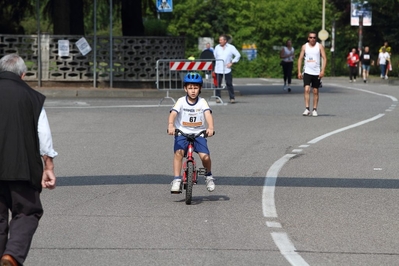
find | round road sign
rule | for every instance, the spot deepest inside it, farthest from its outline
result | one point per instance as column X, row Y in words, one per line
column 323, row 35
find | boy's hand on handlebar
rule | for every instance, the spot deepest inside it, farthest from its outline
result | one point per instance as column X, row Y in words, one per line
column 171, row 130
column 210, row 132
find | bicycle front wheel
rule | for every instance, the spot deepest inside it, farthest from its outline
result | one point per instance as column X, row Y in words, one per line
column 190, row 183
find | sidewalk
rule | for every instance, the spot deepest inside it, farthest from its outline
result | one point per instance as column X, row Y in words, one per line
column 90, row 92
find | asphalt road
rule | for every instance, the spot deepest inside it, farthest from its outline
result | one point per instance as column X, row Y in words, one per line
column 290, row 190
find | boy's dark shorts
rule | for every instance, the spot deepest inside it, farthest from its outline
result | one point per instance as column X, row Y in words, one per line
column 200, row 144
column 311, row 80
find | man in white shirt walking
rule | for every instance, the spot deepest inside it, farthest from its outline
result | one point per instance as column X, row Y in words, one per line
column 229, row 54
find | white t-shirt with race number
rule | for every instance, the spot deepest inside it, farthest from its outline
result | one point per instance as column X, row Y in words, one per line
column 190, row 117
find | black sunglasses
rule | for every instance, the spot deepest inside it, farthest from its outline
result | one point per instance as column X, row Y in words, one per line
column 311, row 37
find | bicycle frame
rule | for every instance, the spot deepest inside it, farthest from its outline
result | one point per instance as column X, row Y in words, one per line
column 189, row 158
column 190, row 153
column 190, row 172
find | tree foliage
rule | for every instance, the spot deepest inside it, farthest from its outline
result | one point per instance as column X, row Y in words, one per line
column 12, row 13
column 265, row 23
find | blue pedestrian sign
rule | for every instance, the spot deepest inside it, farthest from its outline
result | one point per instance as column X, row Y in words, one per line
column 164, row 5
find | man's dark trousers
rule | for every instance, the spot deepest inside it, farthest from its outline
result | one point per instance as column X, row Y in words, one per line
column 229, row 84
column 26, row 210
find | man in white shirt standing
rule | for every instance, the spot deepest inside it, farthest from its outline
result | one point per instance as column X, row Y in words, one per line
column 230, row 55
column 312, row 52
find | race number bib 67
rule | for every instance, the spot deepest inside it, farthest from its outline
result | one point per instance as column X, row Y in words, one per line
column 191, row 121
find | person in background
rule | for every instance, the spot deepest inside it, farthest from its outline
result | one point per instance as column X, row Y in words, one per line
column 353, row 59
column 287, row 56
column 311, row 53
column 388, row 66
column 367, row 61
column 25, row 146
column 229, row 54
column 383, row 61
column 208, row 47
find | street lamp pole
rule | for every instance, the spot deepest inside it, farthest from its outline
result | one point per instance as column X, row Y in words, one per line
column 323, row 34
column 323, row 26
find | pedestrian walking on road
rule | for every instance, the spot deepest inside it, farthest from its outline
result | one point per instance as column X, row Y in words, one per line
column 388, row 66
column 311, row 53
column 367, row 61
column 352, row 59
column 229, row 54
column 383, row 61
column 287, row 56
column 25, row 144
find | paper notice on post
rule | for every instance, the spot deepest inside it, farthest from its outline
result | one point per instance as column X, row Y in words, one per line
column 83, row 46
column 63, row 48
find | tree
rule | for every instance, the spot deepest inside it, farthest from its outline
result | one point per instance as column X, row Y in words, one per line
column 132, row 19
column 66, row 16
column 11, row 15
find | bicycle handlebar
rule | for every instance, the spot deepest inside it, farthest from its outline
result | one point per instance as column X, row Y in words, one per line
column 203, row 132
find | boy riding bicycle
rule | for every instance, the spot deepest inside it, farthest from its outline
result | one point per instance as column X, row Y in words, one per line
column 191, row 114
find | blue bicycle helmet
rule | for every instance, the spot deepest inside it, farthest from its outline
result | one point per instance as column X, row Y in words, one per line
column 192, row 77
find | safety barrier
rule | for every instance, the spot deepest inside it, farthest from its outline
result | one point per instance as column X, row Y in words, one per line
column 170, row 75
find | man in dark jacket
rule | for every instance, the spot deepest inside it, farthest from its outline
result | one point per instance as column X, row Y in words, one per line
column 25, row 144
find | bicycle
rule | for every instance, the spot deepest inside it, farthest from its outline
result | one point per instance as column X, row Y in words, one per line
column 189, row 166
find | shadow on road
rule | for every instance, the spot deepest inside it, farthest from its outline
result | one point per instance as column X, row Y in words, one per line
column 231, row 181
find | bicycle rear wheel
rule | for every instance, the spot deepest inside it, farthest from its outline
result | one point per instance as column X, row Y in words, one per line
column 190, row 183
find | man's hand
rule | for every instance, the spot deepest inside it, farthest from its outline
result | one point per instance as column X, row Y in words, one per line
column 321, row 74
column 299, row 75
column 48, row 179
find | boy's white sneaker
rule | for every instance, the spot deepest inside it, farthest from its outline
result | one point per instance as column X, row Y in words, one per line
column 210, row 185
column 175, row 186
column 314, row 113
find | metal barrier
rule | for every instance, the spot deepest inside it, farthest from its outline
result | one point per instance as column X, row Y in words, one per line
column 170, row 75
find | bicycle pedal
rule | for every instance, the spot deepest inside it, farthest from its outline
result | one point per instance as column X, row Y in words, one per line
column 201, row 171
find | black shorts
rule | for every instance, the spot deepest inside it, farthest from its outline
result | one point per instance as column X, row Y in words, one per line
column 311, row 80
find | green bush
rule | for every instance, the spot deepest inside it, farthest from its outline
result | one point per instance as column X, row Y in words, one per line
column 155, row 27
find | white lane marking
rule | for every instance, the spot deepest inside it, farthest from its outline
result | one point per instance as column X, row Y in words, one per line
column 83, row 105
column 121, row 106
column 304, row 146
column 112, row 106
column 297, row 150
column 287, row 249
column 281, row 239
column 363, row 90
column 313, row 141
column 273, row 224
column 268, row 205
